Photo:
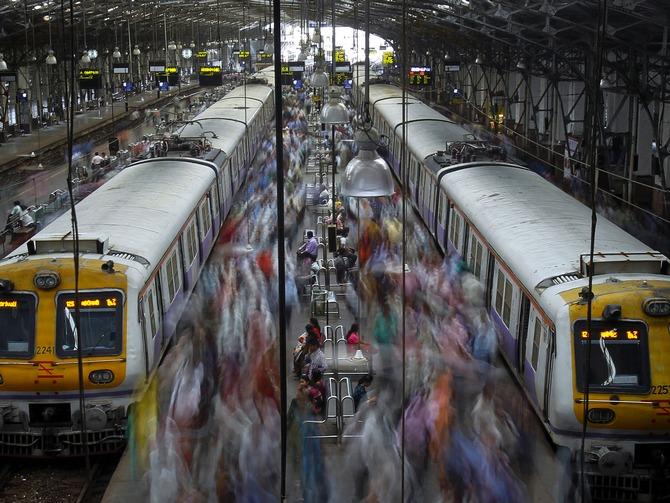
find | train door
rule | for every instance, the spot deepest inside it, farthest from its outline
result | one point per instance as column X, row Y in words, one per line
column 537, row 371
column 151, row 311
column 477, row 258
column 524, row 312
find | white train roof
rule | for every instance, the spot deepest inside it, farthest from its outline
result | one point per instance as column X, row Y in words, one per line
column 140, row 210
column 537, row 229
column 427, row 129
column 227, row 117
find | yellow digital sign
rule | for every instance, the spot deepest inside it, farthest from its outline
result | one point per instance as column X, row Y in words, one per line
column 244, row 54
column 631, row 335
column 89, row 73
column 8, row 304
column 95, row 302
column 286, row 70
column 171, row 69
column 210, row 70
column 340, row 56
column 201, row 54
column 388, row 58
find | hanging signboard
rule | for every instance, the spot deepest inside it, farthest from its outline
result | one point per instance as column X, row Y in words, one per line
column 420, row 76
column 210, row 76
column 340, row 56
column 90, row 78
column 157, row 66
column 344, row 67
column 452, row 66
column 7, row 76
column 265, row 57
column 388, row 58
column 172, row 73
column 120, row 68
column 201, row 54
column 243, row 54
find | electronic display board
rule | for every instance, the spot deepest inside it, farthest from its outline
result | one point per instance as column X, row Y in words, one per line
column 340, row 56
column 452, row 66
column 157, row 66
column 388, row 58
column 7, row 76
column 90, row 78
column 210, row 76
column 420, row 76
column 201, row 54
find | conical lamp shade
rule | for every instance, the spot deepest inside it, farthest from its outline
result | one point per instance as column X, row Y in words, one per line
column 319, row 79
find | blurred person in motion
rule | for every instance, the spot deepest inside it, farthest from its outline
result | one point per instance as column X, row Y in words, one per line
column 309, row 249
column 315, row 358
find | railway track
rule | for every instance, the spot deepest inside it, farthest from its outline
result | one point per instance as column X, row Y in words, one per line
column 55, row 481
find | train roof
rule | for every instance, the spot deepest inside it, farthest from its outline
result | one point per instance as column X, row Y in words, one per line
column 537, row 229
column 428, row 130
column 140, row 210
column 226, row 118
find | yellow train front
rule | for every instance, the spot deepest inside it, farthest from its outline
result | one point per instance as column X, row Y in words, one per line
column 39, row 345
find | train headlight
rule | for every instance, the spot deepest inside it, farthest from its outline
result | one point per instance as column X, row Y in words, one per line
column 601, row 416
column 101, row 376
column 46, row 280
column 657, row 306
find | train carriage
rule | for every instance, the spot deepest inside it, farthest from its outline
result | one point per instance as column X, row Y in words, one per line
column 144, row 237
column 528, row 243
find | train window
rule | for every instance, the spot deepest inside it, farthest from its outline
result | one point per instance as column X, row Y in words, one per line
column 191, row 242
column 619, row 356
column 151, row 310
column 455, row 229
column 537, row 333
column 504, row 298
column 172, row 275
column 476, row 255
column 17, row 325
column 100, row 324
column 205, row 218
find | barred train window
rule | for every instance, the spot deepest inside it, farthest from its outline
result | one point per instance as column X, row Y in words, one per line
column 205, row 218
column 172, row 273
column 504, row 298
column 192, row 247
column 455, row 229
column 476, row 257
column 151, row 307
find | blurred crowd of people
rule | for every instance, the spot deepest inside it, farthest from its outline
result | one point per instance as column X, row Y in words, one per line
column 433, row 392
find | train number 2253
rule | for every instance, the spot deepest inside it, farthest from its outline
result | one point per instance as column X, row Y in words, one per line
column 660, row 389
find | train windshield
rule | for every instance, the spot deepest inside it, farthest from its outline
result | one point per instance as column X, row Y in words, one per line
column 100, row 324
column 17, row 325
column 619, row 359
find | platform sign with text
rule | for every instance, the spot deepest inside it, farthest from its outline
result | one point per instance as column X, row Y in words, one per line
column 210, row 76
column 201, row 55
column 452, row 66
column 420, row 76
column 157, row 66
column 340, row 57
column 90, row 78
column 342, row 73
column 388, row 58
column 120, row 68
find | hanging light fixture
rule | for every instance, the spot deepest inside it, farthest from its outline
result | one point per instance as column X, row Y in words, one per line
column 92, row 54
column 172, row 46
column 367, row 174
column 51, row 59
column 319, row 78
column 85, row 59
column 192, row 44
column 116, row 54
column 136, row 50
column 335, row 112
column 479, row 60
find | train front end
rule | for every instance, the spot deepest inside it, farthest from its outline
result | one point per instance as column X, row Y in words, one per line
column 40, row 412
column 624, row 363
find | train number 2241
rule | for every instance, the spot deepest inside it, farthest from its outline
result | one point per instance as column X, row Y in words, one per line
column 660, row 389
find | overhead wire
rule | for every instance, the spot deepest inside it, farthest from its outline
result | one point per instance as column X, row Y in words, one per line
column 593, row 158
column 70, row 104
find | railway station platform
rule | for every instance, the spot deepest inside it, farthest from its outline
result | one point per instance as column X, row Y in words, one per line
column 18, row 149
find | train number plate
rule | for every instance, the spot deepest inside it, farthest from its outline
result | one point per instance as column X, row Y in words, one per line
column 660, row 389
column 45, row 350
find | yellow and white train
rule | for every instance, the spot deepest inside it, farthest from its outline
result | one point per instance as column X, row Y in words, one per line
column 528, row 243
column 144, row 237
